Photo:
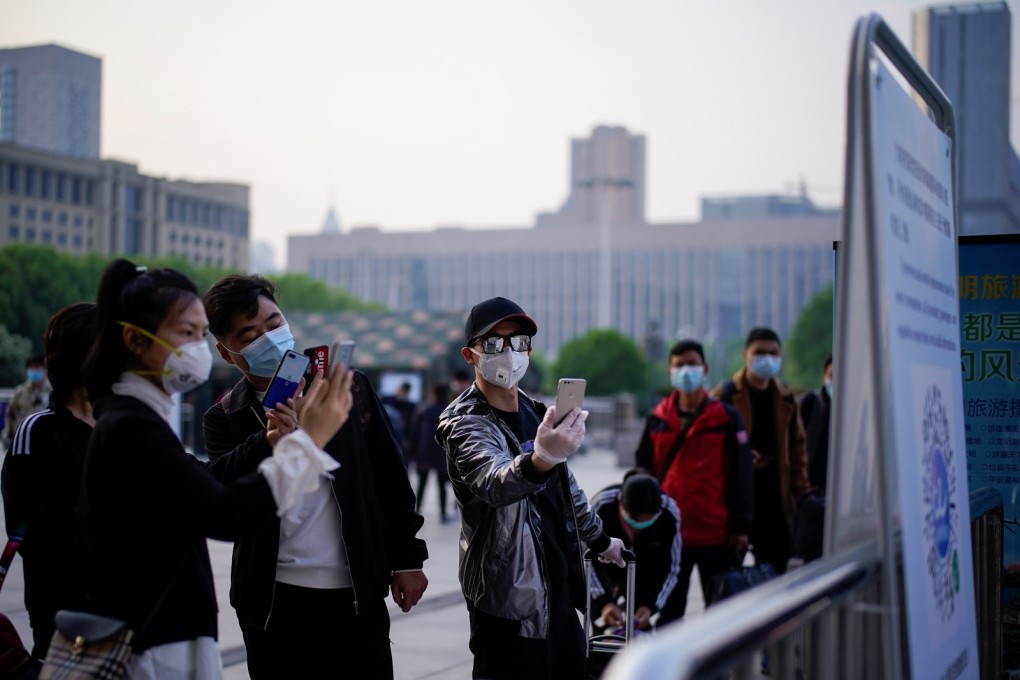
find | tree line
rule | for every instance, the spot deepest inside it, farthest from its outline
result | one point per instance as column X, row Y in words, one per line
column 35, row 281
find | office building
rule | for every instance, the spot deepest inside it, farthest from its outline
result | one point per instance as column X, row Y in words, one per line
column 50, row 99
column 966, row 49
column 108, row 207
column 712, row 279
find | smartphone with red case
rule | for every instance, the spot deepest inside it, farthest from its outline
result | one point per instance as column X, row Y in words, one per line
column 319, row 362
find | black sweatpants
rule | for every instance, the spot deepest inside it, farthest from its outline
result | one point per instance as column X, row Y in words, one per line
column 710, row 560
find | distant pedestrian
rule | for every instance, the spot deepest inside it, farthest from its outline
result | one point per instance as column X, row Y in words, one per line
column 814, row 410
column 428, row 456
column 523, row 516
column 698, row 448
column 42, row 473
column 648, row 521
column 146, row 507
column 772, row 417
column 29, row 397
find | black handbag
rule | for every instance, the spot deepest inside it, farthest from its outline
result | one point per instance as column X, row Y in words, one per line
column 734, row 581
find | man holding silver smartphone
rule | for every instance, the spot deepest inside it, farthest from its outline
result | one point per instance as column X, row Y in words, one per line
column 523, row 516
column 309, row 589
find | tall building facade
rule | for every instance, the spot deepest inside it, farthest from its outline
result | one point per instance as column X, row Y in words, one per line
column 966, row 49
column 108, row 207
column 712, row 279
column 50, row 99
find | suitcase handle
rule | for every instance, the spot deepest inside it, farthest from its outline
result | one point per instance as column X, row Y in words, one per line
column 600, row 642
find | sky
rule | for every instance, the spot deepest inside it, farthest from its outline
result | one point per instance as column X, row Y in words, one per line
column 414, row 114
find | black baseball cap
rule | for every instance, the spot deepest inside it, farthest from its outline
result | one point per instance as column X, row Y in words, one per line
column 489, row 313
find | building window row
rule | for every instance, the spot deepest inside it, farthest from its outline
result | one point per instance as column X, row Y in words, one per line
column 46, row 237
column 46, row 215
column 22, row 179
column 197, row 213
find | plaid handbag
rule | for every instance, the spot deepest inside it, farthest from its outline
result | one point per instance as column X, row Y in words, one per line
column 87, row 646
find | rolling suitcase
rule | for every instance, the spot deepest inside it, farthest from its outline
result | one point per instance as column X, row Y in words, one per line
column 599, row 649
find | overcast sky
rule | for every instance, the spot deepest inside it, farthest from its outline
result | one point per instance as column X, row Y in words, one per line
column 420, row 113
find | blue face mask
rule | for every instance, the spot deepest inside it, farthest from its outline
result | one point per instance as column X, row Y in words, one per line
column 36, row 375
column 828, row 388
column 265, row 352
column 687, row 378
column 635, row 524
column 765, row 366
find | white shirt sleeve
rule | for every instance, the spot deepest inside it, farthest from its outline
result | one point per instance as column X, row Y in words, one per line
column 295, row 469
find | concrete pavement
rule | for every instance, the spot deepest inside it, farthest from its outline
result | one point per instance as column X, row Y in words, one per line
column 430, row 641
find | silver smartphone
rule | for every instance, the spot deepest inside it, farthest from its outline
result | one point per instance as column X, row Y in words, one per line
column 344, row 354
column 569, row 393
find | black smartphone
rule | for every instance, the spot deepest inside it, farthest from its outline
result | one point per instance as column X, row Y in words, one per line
column 286, row 379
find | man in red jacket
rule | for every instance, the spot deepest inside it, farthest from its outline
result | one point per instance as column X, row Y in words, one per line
column 697, row 447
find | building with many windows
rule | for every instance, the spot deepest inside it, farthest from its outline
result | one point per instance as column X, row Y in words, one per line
column 712, row 279
column 108, row 207
column 50, row 99
column 966, row 49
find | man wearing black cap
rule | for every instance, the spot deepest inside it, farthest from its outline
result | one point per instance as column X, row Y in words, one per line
column 649, row 522
column 523, row 517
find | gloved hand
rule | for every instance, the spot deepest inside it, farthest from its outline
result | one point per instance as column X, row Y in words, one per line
column 554, row 443
column 613, row 554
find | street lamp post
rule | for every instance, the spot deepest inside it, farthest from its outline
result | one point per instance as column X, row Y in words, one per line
column 605, row 307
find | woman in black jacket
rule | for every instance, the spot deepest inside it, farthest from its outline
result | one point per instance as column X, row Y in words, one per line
column 146, row 506
column 42, row 472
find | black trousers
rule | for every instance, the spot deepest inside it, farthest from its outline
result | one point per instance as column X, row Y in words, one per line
column 501, row 654
column 442, row 479
column 315, row 633
column 710, row 560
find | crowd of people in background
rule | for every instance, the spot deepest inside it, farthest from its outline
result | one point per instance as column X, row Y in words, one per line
column 315, row 494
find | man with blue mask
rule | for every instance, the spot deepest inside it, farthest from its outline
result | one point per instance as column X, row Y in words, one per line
column 697, row 447
column 648, row 521
column 29, row 397
column 309, row 588
column 779, row 456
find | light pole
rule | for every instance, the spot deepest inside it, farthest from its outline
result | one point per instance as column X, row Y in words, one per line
column 609, row 184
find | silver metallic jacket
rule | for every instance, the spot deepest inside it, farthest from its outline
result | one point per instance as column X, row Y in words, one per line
column 502, row 563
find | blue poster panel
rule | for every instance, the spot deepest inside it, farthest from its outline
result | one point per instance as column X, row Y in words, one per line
column 990, row 351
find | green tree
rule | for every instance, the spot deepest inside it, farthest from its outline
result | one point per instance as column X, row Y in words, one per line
column 809, row 343
column 14, row 352
column 36, row 281
column 610, row 361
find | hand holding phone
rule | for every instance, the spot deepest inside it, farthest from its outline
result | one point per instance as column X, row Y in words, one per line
column 569, row 395
column 286, row 379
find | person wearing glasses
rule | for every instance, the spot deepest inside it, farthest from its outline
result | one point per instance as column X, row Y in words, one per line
column 523, row 516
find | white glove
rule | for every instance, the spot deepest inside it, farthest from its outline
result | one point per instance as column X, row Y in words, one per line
column 553, row 444
column 613, row 554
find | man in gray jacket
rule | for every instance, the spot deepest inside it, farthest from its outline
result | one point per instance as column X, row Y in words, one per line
column 523, row 517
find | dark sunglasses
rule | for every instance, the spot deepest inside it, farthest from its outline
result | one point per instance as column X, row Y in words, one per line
column 494, row 344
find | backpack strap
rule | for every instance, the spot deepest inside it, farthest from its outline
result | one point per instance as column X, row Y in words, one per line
column 679, row 441
column 728, row 390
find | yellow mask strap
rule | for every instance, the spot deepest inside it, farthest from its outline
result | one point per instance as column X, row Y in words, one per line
column 151, row 336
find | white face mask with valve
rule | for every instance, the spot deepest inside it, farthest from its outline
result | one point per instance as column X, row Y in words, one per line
column 504, row 369
column 186, row 367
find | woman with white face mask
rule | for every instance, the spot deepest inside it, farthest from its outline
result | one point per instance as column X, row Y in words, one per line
column 146, row 506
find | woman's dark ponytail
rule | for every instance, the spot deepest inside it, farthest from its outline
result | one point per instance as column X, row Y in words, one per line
column 134, row 295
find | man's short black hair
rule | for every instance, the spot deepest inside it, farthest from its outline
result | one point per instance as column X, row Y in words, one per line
column 232, row 295
column 761, row 333
column 688, row 345
column 828, row 362
column 640, row 494
column 35, row 360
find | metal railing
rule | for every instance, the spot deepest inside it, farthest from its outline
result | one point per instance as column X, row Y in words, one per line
column 986, row 524
column 811, row 622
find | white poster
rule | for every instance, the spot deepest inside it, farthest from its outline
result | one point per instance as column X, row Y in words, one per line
column 916, row 255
